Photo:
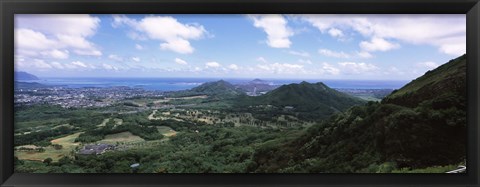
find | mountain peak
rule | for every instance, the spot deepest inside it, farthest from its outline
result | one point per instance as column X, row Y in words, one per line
column 433, row 84
column 21, row 75
column 258, row 81
column 307, row 98
column 220, row 87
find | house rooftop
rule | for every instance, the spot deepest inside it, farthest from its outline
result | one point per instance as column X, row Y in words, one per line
column 95, row 149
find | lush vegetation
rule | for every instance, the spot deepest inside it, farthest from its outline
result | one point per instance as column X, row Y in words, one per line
column 390, row 134
column 216, row 90
column 305, row 100
column 419, row 128
column 206, row 149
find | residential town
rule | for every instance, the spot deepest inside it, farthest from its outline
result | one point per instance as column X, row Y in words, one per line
column 79, row 97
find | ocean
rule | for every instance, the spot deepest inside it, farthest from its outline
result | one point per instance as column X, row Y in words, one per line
column 175, row 84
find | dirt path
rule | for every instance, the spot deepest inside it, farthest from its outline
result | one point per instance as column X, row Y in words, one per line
column 150, row 117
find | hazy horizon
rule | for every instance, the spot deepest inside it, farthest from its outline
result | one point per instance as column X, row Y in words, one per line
column 218, row 78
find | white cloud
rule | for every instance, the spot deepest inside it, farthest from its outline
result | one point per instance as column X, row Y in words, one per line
column 341, row 54
column 196, row 69
column 57, row 65
column 115, row 58
column 378, row 44
column 180, row 61
column 212, row 65
column 276, row 28
column 299, row 53
column 453, row 48
column 446, row 32
column 109, row 67
column 330, row 53
column 51, row 35
column 29, row 39
column 429, row 65
column 40, row 64
column 394, row 71
column 138, row 47
column 136, row 59
column 364, row 54
column 335, row 33
column 66, row 24
column 329, row 69
column 233, row 67
column 174, row 35
column 80, row 64
column 261, row 59
column 304, row 61
column 179, row 45
column 357, row 68
column 282, row 68
column 55, row 53
column 88, row 52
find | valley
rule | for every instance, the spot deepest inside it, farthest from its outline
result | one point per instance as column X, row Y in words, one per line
column 255, row 127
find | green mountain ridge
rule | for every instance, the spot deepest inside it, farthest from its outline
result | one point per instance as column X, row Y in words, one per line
column 396, row 134
column 311, row 101
column 215, row 90
column 220, row 87
column 304, row 94
column 432, row 85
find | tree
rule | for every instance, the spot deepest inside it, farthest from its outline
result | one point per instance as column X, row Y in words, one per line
column 47, row 161
column 57, row 146
column 17, row 161
column 64, row 160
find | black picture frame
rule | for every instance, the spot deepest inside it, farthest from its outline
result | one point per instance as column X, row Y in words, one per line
column 10, row 7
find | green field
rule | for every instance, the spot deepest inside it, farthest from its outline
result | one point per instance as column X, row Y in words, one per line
column 166, row 131
column 68, row 145
column 123, row 137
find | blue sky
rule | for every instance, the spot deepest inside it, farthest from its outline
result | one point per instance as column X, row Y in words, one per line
column 367, row 47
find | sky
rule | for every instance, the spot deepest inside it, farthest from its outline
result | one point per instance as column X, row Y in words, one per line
column 364, row 47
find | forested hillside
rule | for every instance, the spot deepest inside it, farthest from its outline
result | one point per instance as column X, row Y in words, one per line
column 421, row 125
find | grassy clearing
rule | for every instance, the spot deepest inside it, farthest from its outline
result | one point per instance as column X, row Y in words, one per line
column 369, row 98
column 180, row 98
column 105, row 121
column 118, row 121
column 34, row 124
column 123, row 137
column 68, row 143
column 63, row 125
column 166, row 131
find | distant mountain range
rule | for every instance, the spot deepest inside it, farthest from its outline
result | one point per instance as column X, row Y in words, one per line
column 217, row 88
column 20, row 75
column 225, row 89
column 257, row 87
column 420, row 125
column 310, row 101
column 309, row 96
